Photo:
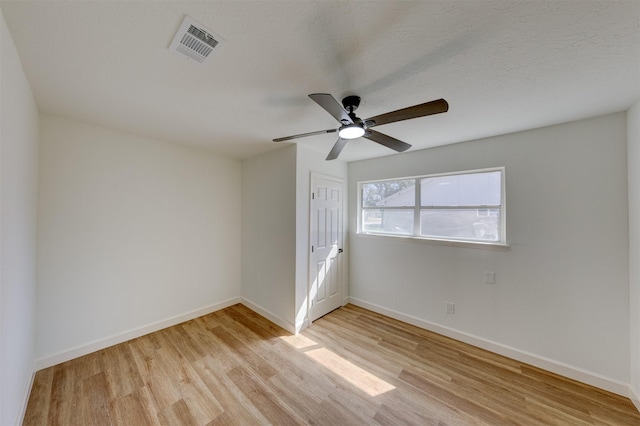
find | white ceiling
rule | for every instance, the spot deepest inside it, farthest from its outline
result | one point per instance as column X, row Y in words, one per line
column 503, row 66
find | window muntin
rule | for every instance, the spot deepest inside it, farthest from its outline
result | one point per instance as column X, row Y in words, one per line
column 464, row 206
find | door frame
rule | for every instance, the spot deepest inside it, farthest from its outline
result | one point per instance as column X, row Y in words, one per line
column 312, row 179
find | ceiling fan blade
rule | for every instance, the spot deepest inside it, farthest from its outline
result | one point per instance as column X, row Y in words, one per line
column 332, row 106
column 337, row 148
column 422, row 110
column 387, row 141
column 319, row 132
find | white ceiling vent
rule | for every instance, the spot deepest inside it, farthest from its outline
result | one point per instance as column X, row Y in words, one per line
column 195, row 41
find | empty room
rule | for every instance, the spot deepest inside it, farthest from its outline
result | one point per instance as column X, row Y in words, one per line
column 320, row 212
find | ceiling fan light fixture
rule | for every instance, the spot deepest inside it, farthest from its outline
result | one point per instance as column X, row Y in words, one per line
column 352, row 127
column 351, row 131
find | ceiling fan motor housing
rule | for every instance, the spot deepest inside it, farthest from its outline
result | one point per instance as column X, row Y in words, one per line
column 351, row 103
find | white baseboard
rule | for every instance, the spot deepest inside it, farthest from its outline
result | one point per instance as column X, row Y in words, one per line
column 301, row 326
column 571, row 372
column 560, row 368
column 634, row 396
column 287, row 325
column 97, row 345
column 25, row 398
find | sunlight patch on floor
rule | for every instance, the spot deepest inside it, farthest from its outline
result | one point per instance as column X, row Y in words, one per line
column 299, row 341
column 362, row 379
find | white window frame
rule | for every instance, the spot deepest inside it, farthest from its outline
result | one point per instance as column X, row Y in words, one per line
column 417, row 208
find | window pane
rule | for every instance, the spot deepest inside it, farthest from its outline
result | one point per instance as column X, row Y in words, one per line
column 393, row 193
column 468, row 224
column 473, row 189
column 396, row 221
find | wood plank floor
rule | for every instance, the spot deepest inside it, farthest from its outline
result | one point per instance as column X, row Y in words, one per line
column 351, row 367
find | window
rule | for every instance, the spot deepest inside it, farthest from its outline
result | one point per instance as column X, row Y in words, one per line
column 463, row 206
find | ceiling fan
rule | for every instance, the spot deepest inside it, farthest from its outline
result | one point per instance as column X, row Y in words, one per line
column 353, row 127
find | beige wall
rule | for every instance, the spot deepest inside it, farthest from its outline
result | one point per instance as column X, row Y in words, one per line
column 18, row 200
column 269, row 234
column 633, row 158
column 561, row 297
column 131, row 232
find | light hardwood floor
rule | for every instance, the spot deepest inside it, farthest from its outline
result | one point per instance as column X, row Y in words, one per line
column 350, row 367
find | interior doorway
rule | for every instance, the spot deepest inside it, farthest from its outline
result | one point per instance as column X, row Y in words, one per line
column 326, row 236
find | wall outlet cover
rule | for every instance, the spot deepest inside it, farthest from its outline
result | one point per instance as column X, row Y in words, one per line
column 490, row 277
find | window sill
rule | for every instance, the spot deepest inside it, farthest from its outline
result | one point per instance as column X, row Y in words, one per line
column 441, row 242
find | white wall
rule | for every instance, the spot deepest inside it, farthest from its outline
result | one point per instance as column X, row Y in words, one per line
column 18, row 201
column 310, row 161
column 269, row 234
column 561, row 293
column 133, row 232
column 275, row 231
column 633, row 158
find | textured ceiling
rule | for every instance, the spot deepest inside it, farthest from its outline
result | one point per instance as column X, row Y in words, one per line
column 503, row 66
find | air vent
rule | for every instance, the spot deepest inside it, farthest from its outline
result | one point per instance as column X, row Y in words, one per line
column 195, row 41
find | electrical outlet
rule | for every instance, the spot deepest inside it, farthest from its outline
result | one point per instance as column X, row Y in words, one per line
column 451, row 308
column 490, row 277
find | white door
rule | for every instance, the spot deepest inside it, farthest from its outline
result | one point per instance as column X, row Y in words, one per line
column 325, row 265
